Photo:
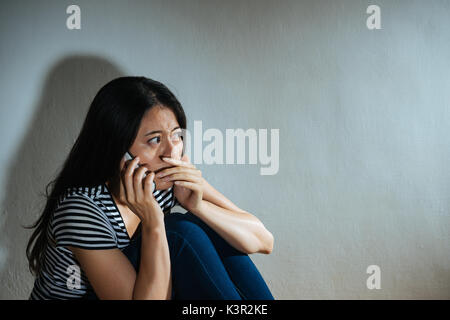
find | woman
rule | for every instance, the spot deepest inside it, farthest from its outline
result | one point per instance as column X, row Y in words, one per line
column 104, row 233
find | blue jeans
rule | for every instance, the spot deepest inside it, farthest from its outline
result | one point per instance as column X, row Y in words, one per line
column 204, row 265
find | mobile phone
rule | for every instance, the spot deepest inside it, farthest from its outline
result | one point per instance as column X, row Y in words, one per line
column 129, row 156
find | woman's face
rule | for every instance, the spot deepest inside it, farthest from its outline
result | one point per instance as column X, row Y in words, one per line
column 159, row 136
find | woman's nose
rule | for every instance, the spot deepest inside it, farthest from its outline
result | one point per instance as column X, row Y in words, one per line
column 170, row 150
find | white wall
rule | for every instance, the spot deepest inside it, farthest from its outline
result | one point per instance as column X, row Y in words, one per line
column 363, row 117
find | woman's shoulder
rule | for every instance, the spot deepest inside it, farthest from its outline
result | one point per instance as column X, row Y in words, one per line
column 87, row 193
column 81, row 196
column 79, row 221
column 78, row 205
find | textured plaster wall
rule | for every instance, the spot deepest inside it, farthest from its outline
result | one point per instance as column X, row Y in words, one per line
column 363, row 116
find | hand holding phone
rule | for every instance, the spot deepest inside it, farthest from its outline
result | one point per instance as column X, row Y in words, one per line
column 135, row 193
column 129, row 156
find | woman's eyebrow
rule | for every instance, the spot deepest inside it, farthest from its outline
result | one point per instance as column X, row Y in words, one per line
column 158, row 131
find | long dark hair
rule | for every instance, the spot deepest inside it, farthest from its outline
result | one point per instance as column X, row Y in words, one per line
column 110, row 127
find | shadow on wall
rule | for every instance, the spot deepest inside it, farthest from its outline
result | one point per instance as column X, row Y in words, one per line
column 68, row 90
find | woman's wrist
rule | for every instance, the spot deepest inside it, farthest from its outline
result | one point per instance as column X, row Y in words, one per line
column 201, row 208
column 207, row 190
column 153, row 225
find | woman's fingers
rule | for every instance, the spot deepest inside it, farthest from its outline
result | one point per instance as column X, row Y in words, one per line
column 179, row 162
column 138, row 182
column 128, row 177
column 189, row 185
column 148, row 184
column 122, row 163
column 173, row 170
column 183, row 176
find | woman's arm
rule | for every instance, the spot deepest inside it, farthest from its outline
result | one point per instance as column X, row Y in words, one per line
column 240, row 229
column 113, row 276
column 259, row 239
column 154, row 277
column 210, row 194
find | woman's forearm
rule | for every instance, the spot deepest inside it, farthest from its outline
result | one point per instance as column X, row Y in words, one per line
column 153, row 281
column 241, row 230
column 210, row 194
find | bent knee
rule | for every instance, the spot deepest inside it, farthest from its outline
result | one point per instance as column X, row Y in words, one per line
column 185, row 227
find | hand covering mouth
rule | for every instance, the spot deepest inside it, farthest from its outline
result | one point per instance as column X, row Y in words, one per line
column 161, row 169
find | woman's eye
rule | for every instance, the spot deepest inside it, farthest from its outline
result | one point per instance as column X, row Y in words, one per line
column 176, row 136
column 153, row 139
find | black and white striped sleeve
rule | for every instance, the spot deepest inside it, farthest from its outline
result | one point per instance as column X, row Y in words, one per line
column 78, row 222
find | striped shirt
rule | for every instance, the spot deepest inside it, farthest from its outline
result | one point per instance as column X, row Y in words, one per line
column 86, row 218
